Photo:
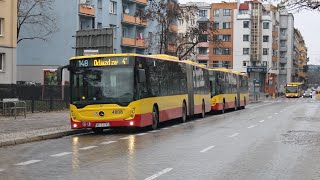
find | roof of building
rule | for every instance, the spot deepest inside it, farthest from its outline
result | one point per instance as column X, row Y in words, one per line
column 244, row 6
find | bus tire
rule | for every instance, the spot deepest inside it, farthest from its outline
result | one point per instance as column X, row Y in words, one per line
column 97, row 130
column 245, row 103
column 184, row 112
column 155, row 118
column 235, row 104
column 203, row 110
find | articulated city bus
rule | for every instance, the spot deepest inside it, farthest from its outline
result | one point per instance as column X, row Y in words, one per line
column 293, row 89
column 131, row 90
column 229, row 89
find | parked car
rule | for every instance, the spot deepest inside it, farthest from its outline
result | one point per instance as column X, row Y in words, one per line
column 307, row 94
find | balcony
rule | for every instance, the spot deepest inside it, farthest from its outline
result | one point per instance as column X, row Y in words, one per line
column 141, row 43
column 244, row 16
column 173, row 28
column 283, row 59
column 203, row 57
column 128, row 41
column 86, row 9
column 266, row 18
column 144, row 2
column 283, row 37
column 133, row 20
column 283, row 48
column 282, row 71
column 203, row 44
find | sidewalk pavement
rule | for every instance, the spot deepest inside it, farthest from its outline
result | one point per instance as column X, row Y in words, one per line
column 37, row 126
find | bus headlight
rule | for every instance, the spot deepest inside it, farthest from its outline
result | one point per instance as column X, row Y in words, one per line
column 131, row 123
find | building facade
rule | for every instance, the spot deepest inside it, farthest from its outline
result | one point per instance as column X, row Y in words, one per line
column 8, row 41
column 203, row 16
column 301, row 58
column 73, row 15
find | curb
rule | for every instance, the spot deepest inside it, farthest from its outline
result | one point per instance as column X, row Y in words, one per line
column 42, row 137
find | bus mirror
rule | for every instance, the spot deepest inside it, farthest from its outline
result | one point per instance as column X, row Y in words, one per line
column 59, row 73
column 142, row 75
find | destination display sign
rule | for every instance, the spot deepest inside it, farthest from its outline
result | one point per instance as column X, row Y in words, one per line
column 101, row 62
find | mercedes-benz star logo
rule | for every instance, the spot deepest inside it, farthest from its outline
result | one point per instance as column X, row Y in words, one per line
column 101, row 113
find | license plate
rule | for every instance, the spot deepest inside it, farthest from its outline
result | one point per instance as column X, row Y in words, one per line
column 102, row 125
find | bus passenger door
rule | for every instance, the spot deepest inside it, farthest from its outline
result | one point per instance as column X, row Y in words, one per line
column 190, row 89
column 239, row 81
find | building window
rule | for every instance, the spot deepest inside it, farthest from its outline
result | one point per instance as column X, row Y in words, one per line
column 245, row 37
column 226, row 38
column 283, row 31
column 203, row 50
column 99, row 4
column 113, row 7
column 1, row 62
column 99, row 25
column 215, row 64
column 246, row 24
column 226, row 51
column 265, row 25
column 227, row 12
column 274, row 53
column 216, row 12
column 203, row 13
column 265, row 51
column 245, row 51
column 227, row 25
column 216, row 25
column 181, row 22
column 265, row 38
column 245, row 63
column 282, row 43
column 264, row 63
column 124, row 32
column 217, row 51
column 1, row 25
column 226, row 64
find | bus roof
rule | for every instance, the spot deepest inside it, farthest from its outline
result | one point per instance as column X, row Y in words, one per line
column 164, row 56
column 104, row 55
column 228, row 71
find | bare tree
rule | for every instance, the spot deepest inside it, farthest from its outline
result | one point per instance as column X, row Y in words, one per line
column 298, row 5
column 204, row 31
column 35, row 20
column 165, row 14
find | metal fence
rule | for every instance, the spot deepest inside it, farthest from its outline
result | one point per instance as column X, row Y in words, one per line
column 38, row 97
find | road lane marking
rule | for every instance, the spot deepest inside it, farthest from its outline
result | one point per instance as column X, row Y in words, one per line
column 269, row 117
column 88, row 147
column 127, row 137
column 154, row 131
column 142, row 134
column 1, row 170
column 275, row 113
column 251, row 126
column 261, row 121
column 61, row 154
column 207, row 149
column 260, row 105
column 108, row 142
column 176, row 126
column 159, row 174
column 166, row 128
column 27, row 162
column 234, row 135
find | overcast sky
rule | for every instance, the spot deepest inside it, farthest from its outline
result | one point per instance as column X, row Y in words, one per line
column 308, row 22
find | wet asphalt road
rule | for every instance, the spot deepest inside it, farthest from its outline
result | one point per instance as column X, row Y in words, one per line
column 270, row 140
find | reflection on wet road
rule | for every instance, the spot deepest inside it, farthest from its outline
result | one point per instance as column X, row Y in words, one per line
column 271, row 140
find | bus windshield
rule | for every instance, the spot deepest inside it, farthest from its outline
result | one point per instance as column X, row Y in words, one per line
column 102, row 85
column 292, row 89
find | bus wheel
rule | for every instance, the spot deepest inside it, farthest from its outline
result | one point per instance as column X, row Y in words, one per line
column 184, row 113
column 97, row 130
column 235, row 104
column 203, row 111
column 245, row 103
column 155, row 118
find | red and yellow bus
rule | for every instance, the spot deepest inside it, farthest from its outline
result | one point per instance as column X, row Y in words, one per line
column 131, row 90
column 229, row 89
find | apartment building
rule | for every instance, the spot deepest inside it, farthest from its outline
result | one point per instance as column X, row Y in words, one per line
column 221, row 48
column 203, row 16
column 301, row 58
column 286, row 36
column 8, row 41
column 73, row 15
